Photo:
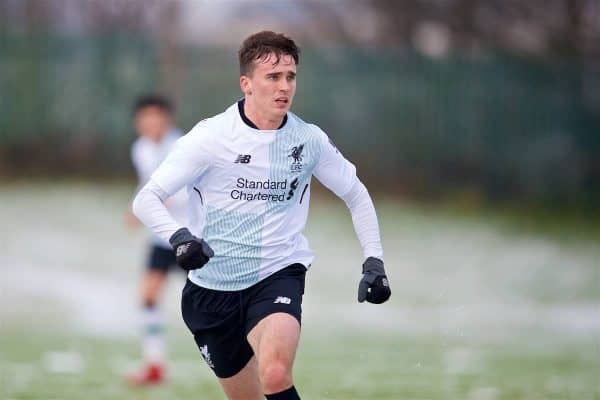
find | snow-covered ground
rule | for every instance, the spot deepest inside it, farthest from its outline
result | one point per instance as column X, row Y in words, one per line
column 69, row 262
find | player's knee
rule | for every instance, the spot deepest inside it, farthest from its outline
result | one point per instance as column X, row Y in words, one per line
column 149, row 297
column 275, row 377
column 150, row 291
column 149, row 302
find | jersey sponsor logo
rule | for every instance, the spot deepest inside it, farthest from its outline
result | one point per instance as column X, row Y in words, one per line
column 249, row 196
column 293, row 187
column 282, row 300
column 296, row 155
column 206, row 356
column 243, row 183
column 243, row 159
column 267, row 190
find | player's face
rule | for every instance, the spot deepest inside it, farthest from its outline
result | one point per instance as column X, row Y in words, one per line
column 272, row 85
column 152, row 122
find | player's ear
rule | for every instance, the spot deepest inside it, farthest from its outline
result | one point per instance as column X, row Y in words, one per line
column 245, row 85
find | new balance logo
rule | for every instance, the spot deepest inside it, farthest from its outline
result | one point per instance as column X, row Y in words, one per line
column 282, row 300
column 243, row 159
column 182, row 249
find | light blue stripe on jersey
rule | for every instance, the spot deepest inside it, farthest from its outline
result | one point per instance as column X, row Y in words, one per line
column 280, row 151
column 236, row 240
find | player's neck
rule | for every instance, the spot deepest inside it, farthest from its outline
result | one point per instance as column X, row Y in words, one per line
column 157, row 138
column 261, row 121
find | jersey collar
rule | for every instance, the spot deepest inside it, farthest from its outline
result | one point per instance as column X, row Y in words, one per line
column 251, row 124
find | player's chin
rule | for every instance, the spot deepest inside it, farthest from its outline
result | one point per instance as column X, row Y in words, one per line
column 279, row 112
column 282, row 108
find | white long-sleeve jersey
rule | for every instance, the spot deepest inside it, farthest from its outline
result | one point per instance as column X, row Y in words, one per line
column 249, row 192
column 146, row 156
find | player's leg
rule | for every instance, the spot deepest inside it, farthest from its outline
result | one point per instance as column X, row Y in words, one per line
column 245, row 385
column 274, row 341
column 273, row 326
column 215, row 318
column 153, row 342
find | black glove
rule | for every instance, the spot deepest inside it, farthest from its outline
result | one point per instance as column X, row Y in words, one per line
column 374, row 286
column 190, row 252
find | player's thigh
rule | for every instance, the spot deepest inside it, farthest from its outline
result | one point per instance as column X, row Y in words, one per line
column 152, row 283
column 160, row 259
column 245, row 385
column 158, row 263
column 281, row 292
column 275, row 311
column 275, row 339
column 215, row 320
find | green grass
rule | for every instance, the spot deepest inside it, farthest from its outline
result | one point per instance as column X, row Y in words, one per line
column 333, row 366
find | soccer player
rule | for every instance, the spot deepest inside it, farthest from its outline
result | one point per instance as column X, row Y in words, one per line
column 153, row 120
column 247, row 172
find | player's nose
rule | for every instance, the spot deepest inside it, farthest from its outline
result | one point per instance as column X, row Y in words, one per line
column 284, row 85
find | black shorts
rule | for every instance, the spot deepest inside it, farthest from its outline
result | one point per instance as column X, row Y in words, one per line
column 160, row 259
column 221, row 320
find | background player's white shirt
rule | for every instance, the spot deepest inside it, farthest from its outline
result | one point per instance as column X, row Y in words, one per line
column 249, row 194
column 146, row 156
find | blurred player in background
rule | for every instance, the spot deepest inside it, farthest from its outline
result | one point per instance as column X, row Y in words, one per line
column 153, row 119
column 249, row 170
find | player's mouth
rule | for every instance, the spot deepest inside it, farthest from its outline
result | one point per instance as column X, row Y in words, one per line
column 282, row 101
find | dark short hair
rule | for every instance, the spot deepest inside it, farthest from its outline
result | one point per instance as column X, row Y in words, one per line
column 153, row 100
column 259, row 45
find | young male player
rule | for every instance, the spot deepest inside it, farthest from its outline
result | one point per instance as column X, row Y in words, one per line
column 248, row 173
column 154, row 125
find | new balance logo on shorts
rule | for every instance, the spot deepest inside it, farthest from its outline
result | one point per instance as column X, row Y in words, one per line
column 282, row 300
column 243, row 159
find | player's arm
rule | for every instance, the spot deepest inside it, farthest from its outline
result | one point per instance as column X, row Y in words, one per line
column 339, row 176
column 187, row 161
column 143, row 169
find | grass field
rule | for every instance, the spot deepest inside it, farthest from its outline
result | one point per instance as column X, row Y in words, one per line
column 481, row 310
